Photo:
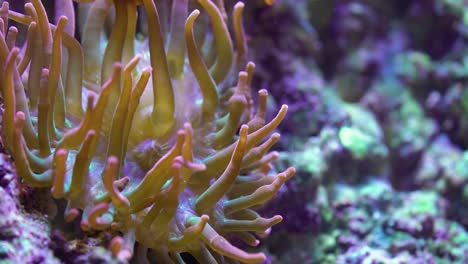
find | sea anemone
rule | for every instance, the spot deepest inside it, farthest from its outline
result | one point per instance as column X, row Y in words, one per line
column 140, row 125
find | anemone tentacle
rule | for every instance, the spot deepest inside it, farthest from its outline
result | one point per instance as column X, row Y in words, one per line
column 150, row 141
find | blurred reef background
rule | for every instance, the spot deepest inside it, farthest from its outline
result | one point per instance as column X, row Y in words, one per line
column 377, row 129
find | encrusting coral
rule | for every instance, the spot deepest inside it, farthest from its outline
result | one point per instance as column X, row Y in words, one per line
column 142, row 143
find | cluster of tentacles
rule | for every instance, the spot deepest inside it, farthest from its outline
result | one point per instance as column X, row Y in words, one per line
column 138, row 125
